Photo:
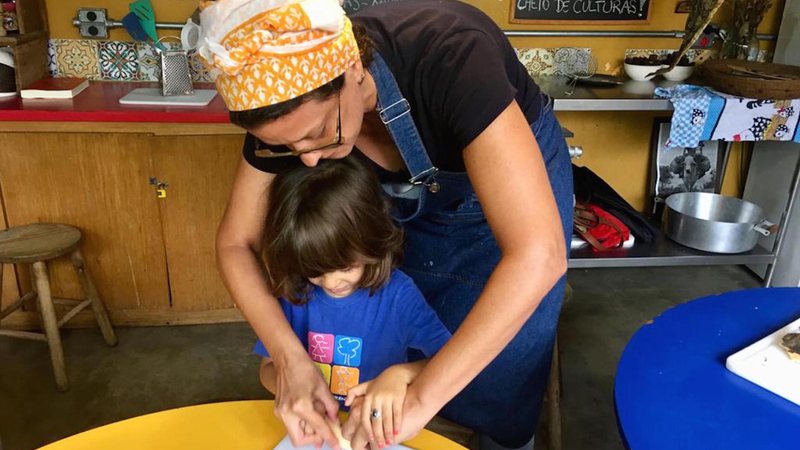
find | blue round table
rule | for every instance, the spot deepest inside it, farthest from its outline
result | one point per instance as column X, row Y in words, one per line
column 672, row 390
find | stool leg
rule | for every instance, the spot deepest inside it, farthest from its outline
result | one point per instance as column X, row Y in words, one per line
column 48, row 312
column 100, row 313
column 554, row 401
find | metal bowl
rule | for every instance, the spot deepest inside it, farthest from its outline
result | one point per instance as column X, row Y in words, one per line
column 715, row 223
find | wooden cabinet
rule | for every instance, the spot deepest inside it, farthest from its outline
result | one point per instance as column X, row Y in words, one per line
column 152, row 258
column 199, row 171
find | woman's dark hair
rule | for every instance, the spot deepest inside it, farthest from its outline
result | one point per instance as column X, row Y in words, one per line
column 326, row 218
column 252, row 118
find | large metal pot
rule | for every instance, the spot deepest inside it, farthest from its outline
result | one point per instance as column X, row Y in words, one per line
column 715, row 223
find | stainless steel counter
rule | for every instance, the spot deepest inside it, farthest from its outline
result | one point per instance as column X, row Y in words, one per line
column 630, row 96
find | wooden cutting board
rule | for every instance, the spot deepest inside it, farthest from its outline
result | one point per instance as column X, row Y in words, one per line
column 153, row 97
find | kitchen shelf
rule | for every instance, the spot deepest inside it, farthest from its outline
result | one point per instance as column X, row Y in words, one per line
column 663, row 252
column 14, row 39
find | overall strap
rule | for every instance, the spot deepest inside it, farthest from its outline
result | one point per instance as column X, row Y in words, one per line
column 395, row 113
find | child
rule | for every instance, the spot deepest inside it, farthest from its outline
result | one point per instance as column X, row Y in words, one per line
column 331, row 252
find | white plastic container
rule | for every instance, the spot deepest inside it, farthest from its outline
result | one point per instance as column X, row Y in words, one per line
column 768, row 365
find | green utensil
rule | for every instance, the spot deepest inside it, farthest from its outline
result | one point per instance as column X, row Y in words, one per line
column 144, row 12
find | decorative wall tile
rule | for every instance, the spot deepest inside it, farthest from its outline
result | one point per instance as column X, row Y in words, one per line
column 149, row 62
column 52, row 64
column 571, row 60
column 149, row 68
column 200, row 73
column 76, row 58
column 117, row 60
column 538, row 61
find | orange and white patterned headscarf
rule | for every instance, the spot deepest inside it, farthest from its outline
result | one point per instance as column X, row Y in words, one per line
column 270, row 51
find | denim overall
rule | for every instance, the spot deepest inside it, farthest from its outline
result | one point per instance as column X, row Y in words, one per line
column 450, row 253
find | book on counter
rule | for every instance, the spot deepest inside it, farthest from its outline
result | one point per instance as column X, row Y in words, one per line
column 55, row 88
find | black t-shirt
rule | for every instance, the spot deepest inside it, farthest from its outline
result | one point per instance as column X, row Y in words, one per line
column 455, row 67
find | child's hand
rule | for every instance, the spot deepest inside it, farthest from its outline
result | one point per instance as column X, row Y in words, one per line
column 382, row 409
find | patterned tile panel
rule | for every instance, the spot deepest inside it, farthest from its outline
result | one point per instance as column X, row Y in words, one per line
column 149, row 65
column 570, row 60
column 76, row 58
column 555, row 61
column 538, row 61
column 52, row 63
column 117, row 61
column 200, row 73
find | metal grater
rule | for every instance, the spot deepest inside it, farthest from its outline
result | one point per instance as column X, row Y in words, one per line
column 175, row 76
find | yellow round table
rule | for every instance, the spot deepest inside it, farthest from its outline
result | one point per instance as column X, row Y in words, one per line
column 239, row 425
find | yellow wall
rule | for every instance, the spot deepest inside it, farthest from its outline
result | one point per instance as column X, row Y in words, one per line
column 616, row 145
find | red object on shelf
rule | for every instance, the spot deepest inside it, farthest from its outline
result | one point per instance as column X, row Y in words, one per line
column 100, row 103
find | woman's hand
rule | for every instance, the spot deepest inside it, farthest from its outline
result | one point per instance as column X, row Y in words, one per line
column 352, row 429
column 381, row 408
column 415, row 416
column 302, row 402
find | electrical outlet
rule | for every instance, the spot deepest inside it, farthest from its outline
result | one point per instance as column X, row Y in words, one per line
column 92, row 15
column 93, row 30
column 92, row 23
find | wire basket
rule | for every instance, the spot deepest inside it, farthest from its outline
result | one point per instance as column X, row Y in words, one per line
column 752, row 79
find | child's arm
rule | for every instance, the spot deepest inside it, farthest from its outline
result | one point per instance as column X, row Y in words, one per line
column 268, row 375
column 385, row 394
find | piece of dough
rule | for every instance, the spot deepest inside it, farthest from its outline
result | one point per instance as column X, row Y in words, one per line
column 344, row 444
column 791, row 343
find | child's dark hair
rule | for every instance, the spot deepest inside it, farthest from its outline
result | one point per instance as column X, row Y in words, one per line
column 326, row 218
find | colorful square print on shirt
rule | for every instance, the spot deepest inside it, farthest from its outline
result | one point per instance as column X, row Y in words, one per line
column 320, row 347
column 348, row 351
column 326, row 372
column 343, row 378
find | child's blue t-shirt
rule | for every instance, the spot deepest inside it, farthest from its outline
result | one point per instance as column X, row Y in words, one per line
column 353, row 339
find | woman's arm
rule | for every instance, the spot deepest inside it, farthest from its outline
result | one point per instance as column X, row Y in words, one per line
column 386, row 393
column 299, row 384
column 508, row 173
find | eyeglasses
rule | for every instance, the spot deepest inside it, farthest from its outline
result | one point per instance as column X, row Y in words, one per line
column 266, row 152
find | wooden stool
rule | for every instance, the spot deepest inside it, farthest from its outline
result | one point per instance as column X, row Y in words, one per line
column 35, row 244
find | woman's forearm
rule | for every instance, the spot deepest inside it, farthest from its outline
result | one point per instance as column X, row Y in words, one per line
column 243, row 276
column 510, row 297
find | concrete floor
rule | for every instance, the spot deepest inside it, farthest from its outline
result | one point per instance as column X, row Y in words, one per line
column 154, row 369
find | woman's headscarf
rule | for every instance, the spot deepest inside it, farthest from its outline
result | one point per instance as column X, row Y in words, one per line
column 270, row 51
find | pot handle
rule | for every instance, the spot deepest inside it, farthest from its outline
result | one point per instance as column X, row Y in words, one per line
column 765, row 227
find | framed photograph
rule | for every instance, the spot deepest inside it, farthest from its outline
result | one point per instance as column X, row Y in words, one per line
column 679, row 169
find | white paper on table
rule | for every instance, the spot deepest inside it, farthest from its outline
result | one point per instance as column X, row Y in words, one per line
column 286, row 444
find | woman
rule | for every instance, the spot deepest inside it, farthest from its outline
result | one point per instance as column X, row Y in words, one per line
column 473, row 158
